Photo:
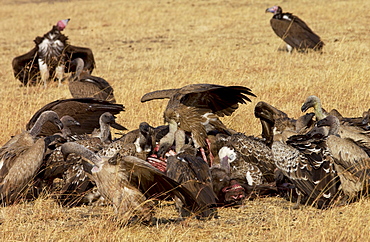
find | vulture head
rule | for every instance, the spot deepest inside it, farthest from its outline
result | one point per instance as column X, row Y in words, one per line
column 62, row 24
column 274, row 10
column 332, row 122
column 44, row 117
column 311, row 102
column 110, row 119
column 68, row 121
column 228, row 190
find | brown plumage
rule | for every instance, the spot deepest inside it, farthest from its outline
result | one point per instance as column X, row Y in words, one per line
column 127, row 182
column 195, row 109
column 345, row 131
column 82, row 84
column 251, row 160
column 193, row 173
column 352, row 159
column 75, row 182
column 21, row 158
column 305, row 161
column 293, row 31
column 284, row 126
column 50, row 57
column 86, row 111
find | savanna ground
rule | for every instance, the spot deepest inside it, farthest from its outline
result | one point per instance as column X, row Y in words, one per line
column 145, row 45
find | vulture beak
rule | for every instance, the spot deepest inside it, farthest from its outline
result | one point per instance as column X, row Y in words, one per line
column 305, row 107
column 62, row 24
column 118, row 126
column 59, row 124
column 115, row 125
column 271, row 10
column 322, row 122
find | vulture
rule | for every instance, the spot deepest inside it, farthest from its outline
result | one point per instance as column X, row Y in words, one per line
column 75, row 180
column 308, row 164
column 68, row 122
column 295, row 33
column 251, row 160
column 21, row 157
column 352, row 159
column 51, row 57
column 130, row 183
column 193, row 173
column 284, row 126
column 305, row 161
column 345, row 131
column 82, row 84
column 195, row 109
column 86, row 111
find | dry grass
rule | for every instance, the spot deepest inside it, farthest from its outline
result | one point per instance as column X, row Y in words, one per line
column 146, row 45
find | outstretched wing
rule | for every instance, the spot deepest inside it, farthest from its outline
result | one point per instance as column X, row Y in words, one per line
column 222, row 100
column 25, row 67
column 161, row 94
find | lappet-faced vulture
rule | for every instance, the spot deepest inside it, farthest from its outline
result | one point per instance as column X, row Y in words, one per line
column 50, row 57
column 293, row 31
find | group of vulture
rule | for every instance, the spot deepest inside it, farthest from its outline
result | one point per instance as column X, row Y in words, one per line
column 320, row 159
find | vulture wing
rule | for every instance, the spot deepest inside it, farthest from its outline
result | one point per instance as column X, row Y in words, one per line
column 152, row 182
column 308, row 164
column 222, row 100
column 296, row 33
column 92, row 86
column 86, row 111
column 72, row 52
column 161, row 94
column 194, row 174
column 26, row 68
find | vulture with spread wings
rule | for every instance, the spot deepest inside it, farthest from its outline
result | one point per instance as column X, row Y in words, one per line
column 195, row 109
column 51, row 57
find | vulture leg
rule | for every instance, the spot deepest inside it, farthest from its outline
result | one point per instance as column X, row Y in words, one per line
column 296, row 206
column 59, row 73
column 44, row 72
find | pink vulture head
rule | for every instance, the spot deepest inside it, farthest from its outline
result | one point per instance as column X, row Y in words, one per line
column 62, row 24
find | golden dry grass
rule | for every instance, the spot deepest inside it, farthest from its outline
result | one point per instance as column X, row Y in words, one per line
column 145, row 45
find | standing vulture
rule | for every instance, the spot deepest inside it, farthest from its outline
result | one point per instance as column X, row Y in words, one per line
column 21, row 157
column 195, row 109
column 82, row 84
column 86, row 111
column 293, row 31
column 50, row 57
column 352, row 159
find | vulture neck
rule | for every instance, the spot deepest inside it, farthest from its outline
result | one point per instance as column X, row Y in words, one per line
column 104, row 131
column 79, row 68
column 36, row 128
column 82, row 151
column 319, row 113
column 334, row 127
